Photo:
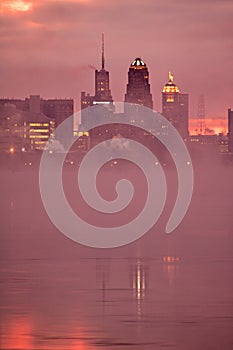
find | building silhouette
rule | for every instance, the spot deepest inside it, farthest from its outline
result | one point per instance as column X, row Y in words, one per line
column 23, row 130
column 38, row 113
column 57, row 109
column 102, row 94
column 138, row 87
column 175, row 106
column 230, row 130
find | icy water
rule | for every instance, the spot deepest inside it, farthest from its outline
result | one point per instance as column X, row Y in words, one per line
column 161, row 292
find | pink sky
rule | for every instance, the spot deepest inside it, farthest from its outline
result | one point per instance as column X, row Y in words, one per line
column 48, row 48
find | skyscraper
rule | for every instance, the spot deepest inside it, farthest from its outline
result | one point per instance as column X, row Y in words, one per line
column 102, row 91
column 175, row 106
column 230, row 130
column 138, row 87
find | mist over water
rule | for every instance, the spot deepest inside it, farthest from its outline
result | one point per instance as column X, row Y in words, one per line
column 162, row 291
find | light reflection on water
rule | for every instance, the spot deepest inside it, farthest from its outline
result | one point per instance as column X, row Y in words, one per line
column 109, row 303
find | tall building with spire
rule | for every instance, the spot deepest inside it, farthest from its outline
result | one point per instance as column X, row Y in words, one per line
column 102, row 90
column 138, row 87
column 103, row 94
column 175, row 106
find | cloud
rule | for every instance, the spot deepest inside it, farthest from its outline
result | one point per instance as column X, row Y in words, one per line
column 15, row 6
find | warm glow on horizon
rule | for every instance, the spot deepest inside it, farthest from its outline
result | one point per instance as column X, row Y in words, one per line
column 16, row 6
column 214, row 126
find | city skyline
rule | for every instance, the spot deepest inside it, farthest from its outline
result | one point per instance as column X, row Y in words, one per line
column 51, row 48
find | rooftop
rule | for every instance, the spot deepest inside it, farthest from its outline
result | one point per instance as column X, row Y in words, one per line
column 171, row 87
column 138, row 63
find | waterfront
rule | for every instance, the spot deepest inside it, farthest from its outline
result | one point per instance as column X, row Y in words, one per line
column 173, row 292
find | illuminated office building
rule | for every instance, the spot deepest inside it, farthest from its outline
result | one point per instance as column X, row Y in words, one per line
column 42, row 111
column 175, row 107
column 22, row 130
column 57, row 109
column 138, row 87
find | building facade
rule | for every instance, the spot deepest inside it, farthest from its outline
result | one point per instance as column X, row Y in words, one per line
column 23, row 131
column 138, row 87
column 175, row 107
column 57, row 109
column 43, row 111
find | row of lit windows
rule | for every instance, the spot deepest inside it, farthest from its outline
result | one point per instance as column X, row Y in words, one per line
column 39, row 124
column 38, row 136
column 137, row 67
column 171, row 89
column 133, row 121
column 81, row 133
column 39, row 142
column 194, row 140
column 39, row 130
column 170, row 99
column 101, row 103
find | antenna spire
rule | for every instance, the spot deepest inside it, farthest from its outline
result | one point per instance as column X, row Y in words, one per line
column 103, row 61
column 201, row 115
